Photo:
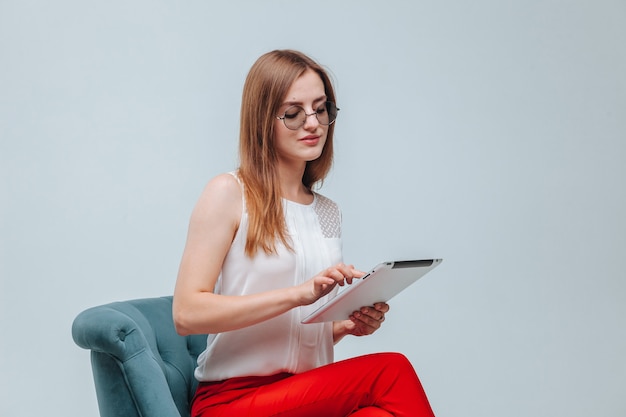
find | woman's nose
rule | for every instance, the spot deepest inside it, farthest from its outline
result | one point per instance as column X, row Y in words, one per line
column 311, row 122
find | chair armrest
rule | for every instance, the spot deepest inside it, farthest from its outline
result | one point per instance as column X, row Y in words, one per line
column 105, row 329
column 117, row 330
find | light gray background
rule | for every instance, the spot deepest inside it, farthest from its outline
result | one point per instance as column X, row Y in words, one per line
column 491, row 133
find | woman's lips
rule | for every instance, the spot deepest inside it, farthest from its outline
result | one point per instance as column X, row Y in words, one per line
column 310, row 140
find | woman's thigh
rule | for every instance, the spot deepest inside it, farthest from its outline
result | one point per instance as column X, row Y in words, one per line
column 377, row 385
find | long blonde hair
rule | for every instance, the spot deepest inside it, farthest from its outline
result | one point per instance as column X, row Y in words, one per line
column 265, row 88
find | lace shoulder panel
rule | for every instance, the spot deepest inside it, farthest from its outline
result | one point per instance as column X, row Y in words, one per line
column 329, row 216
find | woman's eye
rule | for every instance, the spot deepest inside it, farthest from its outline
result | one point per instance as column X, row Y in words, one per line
column 292, row 113
column 321, row 110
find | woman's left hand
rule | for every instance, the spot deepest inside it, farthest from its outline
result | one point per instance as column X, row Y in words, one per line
column 363, row 322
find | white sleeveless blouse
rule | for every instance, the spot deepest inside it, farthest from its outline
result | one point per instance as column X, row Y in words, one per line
column 281, row 344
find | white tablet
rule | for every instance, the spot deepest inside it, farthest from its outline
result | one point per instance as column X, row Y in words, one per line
column 379, row 285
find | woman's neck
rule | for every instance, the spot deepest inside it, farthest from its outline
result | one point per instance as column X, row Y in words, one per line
column 291, row 186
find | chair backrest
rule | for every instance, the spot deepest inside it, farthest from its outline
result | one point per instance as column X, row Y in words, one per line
column 141, row 366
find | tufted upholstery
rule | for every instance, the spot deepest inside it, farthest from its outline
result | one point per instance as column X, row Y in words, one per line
column 141, row 366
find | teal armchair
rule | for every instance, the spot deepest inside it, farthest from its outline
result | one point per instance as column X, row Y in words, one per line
column 141, row 366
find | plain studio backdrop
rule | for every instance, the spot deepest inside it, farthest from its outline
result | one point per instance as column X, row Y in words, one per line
column 490, row 133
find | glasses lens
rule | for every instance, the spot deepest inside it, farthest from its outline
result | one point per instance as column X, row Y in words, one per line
column 294, row 117
column 327, row 113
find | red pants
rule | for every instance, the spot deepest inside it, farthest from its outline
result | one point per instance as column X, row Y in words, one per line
column 378, row 385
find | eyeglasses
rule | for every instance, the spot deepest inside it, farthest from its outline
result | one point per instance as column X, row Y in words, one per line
column 295, row 116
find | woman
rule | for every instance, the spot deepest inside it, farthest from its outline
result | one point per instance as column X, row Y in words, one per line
column 263, row 251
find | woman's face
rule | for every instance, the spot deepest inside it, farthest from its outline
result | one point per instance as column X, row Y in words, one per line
column 306, row 142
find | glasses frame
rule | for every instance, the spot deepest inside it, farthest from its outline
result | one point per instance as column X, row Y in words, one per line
column 306, row 116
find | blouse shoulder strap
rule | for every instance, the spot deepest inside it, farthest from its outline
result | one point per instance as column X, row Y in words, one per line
column 243, row 196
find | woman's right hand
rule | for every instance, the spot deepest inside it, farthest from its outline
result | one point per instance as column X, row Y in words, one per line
column 324, row 282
